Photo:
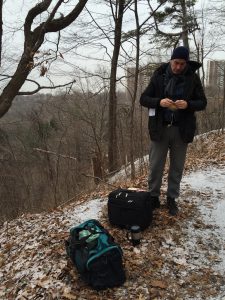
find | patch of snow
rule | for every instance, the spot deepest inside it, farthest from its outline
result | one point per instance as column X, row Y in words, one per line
column 126, row 170
column 90, row 210
column 212, row 178
column 211, row 183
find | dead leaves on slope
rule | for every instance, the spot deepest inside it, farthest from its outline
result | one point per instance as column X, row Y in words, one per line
column 168, row 264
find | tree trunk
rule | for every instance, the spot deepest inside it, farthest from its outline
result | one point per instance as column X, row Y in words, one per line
column 184, row 25
column 1, row 31
column 18, row 79
column 223, row 109
column 134, row 93
column 112, row 142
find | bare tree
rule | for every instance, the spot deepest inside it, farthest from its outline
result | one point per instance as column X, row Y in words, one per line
column 112, row 143
column 33, row 39
column 1, row 31
column 135, row 89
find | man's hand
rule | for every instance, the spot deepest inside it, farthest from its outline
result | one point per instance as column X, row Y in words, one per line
column 181, row 104
column 166, row 102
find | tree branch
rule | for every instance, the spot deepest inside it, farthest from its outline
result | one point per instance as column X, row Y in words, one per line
column 54, row 153
column 39, row 87
column 63, row 22
column 39, row 32
column 73, row 158
column 33, row 13
column 157, row 27
column 105, row 182
column 44, row 87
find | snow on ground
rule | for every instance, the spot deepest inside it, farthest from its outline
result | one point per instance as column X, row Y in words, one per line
column 211, row 182
column 125, row 171
column 212, row 178
column 83, row 212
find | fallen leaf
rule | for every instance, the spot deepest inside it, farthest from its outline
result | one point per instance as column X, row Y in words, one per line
column 158, row 283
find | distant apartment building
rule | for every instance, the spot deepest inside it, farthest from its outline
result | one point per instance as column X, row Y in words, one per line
column 145, row 73
column 215, row 74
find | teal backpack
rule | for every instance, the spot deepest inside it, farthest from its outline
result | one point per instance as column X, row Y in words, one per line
column 97, row 258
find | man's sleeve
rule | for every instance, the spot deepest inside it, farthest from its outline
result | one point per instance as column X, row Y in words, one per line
column 199, row 100
column 148, row 98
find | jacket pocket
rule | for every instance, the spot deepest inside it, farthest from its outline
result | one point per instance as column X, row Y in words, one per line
column 155, row 127
column 187, row 128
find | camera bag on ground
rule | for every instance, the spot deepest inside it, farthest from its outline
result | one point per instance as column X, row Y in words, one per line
column 127, row 207
column 97, row 258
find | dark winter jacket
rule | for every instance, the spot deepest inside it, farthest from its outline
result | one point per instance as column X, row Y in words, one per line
column 193, row 94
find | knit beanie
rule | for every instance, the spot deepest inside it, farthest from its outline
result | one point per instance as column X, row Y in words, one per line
column 180, row 53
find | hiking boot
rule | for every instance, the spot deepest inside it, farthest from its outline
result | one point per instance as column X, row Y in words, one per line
column 171, row 204
column 155, row 202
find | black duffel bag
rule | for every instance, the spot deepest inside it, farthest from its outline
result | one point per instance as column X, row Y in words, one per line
column 127, row 207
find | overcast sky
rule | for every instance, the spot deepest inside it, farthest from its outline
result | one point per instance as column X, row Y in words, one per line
column 15, row 12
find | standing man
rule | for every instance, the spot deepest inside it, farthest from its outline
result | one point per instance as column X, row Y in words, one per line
column 173, row 95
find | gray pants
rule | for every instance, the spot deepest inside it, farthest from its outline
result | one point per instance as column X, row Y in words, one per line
column 172, row 142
